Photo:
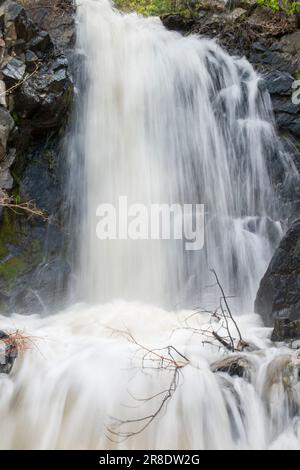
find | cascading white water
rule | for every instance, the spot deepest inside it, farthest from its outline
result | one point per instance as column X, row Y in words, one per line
column 165, row 119
column 170, row 119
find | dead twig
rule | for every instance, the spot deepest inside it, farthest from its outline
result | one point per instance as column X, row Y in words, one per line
column 167, row 359
column 28, row 207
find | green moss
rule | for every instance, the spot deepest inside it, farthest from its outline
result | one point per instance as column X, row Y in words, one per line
column 158, row 7
column 52, row 164
column 17, row 251
column 297, row 75
column 288, row 6
column 3, row 250
column 10, row 269
column 8, row 232
column 15, row 118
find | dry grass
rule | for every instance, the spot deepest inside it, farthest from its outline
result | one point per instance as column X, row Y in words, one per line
column 18, row 341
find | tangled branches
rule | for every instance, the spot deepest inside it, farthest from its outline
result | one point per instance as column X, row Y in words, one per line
column 222, row 330
column 167, row 359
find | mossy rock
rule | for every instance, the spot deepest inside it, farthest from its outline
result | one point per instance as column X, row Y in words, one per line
column 11, row 268
column 18, row 252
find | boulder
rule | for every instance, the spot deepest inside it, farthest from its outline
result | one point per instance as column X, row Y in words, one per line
column 42, row 100
column 15, row 23
column 41, row 44
column 177, row 23
column 239, row 366
column 13, row 71
column 237, row 14
column 282, row 375
column 279, row 83
column 50, row 280
column 8, row 353
column 287, row 112
column 278, row 298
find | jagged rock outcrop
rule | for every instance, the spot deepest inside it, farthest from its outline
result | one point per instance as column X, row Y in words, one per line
column 35, row 98
column 278, row 298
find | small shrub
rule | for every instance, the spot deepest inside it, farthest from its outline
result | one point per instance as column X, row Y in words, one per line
column 289, row 6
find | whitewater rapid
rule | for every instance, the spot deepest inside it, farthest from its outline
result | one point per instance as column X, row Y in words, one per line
column 82, row 371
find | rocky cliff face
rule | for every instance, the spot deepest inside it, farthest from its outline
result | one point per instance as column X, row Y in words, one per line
column 35, row 98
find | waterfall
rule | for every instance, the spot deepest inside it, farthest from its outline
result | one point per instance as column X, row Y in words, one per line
column 160, row 119
column 171, row 120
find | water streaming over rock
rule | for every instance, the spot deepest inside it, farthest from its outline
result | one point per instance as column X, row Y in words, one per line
column 170, row 119
column 160, row 119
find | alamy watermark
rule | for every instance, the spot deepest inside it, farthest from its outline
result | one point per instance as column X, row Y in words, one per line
column 296, row 92
column 153, row 222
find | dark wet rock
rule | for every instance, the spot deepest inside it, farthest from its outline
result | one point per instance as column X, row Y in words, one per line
column 238, row 366
column 15, row 23
column 59, row 21
column 6, row 179
column 290, row 44
column 279, row 83
column 6, row 126
column 14, row 71
column 31, row 60
column 285, row 329
column 43, row 100
column 8, row 353
column 177, row 23
column 41, row 290
column 41, row 44
column 32, row 251
column 289, row 122
column 32, row 166
column 278, row 298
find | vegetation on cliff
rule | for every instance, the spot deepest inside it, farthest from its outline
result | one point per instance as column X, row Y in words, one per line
column 289, row 6
column 192, row 7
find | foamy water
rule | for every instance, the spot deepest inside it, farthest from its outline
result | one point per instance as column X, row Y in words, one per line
column 82, row 371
